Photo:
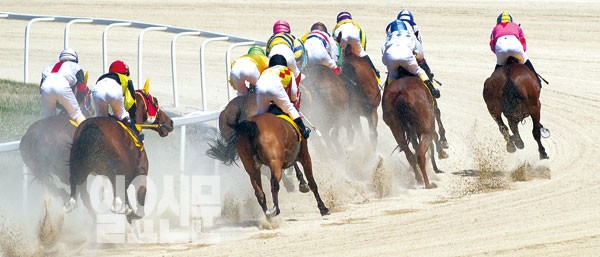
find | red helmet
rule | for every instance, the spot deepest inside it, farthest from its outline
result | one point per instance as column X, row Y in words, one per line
column 119, row 66
column 281, row 26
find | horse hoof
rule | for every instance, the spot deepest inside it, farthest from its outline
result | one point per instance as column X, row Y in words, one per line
column 437, row 171
column 304, row 188
column 544, row 156
column 545, row 133
column 325, row 211
column 272, row 213
column 70, row 205
column 443, row 155
column 511, row 148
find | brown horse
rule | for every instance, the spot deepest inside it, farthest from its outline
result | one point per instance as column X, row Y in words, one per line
column 105, row 146
column 513, row 89
column 46, row 145
column 409, row 112
column 268, row 140
column 363, row 90
column 329, row 108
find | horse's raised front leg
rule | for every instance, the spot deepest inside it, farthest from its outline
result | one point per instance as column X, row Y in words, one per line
column 304, row 159
column 516, row 137
column 537, row 126
column 510, row 146
column 441, row 131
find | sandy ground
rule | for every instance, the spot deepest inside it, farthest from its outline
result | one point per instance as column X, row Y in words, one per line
column 378, row 209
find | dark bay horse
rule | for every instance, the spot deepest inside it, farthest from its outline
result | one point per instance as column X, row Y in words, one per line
column 46, row 145
column 105, row 146
column 329, row 108
column 268, row 140
column 363, row 90
column 513, row 90
column 408, row 109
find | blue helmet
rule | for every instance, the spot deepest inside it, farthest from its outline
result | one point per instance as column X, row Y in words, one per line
column 396, row 25
column 406, row 15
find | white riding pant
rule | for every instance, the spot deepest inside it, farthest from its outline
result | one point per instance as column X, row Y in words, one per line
column 108, row 92
column 350, row 36
column 400, row 56
column 317, row 54
column 269, row 89
column 507, row 46
column 55, row 89
column 290, row 58
column 243, row 71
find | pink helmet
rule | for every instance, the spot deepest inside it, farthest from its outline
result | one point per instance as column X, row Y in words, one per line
column 281, row 26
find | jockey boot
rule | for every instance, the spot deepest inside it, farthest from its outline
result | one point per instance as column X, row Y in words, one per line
column 337, row 70
column 134, row 128
column 434, row 91
column 530, row 66
column 303, row 129
column 79, row 120
column 423, row 64
column 373, row 68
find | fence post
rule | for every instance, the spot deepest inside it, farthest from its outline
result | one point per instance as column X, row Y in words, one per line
column 174, row 65
column 68, row 26
column 104, row 35
column 27, row 28
column 202, row 73
column 140, row 40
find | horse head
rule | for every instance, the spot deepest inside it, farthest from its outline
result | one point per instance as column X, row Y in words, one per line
column 147, row 111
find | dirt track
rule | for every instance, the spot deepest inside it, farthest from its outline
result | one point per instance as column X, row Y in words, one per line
column 554, row 214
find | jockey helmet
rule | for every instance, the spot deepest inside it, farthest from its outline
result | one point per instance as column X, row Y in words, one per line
column 396, row 25
column 344, row 16
column 68, row 55
column 256, row 50
column 406, row 15
column 281, row 26
column 318, row 26
column 277, row 60
column 504, row 17
column 119, row 66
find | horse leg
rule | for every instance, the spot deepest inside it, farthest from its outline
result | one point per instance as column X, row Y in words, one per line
column 510, row 146
column 421, row 158
column 74, row 180
column 516, row 137
column 140, row 178
column 303, row 187
column 304, row 159
column 432, row 156
column 535, row 116
column 275, row 167
column 373, row 118
column 441, row 131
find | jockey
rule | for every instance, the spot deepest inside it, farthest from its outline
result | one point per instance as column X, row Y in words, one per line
column 278, row 86
column 354, row 36
column 247, row 68
column 507, row 39
column 407, row 17
column 59, row 82
column 321, row 47
column 115, row 89
column 282, row 42
column 399, row 51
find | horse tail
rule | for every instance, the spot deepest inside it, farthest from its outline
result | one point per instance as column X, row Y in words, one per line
column 225, row 149
column 511, row 93
column 84, row 148
column 406, row 113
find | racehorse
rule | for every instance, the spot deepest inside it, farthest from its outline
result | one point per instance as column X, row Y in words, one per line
column 513, row 89
column 363, row 90
column 408, row 109
column 266, row 139
column 330, row 102
column 105, row 146
column 46, row 145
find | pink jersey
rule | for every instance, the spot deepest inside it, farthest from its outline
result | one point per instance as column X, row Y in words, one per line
column 507, row 29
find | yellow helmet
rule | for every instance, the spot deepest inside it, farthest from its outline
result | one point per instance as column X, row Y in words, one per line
column 504, row 17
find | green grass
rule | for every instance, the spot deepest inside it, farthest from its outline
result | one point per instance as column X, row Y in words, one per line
column 20, row 106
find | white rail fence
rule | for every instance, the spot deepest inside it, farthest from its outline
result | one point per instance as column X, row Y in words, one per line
column 196, row 117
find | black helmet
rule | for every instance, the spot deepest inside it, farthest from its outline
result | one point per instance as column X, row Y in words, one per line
column 277, row 60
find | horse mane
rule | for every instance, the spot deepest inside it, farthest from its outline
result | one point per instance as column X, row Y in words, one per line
column 511, row 93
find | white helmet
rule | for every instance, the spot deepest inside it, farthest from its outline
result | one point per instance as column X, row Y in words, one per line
column 68, row 55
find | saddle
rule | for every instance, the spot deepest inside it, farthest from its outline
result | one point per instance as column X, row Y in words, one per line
column 274, row 109
column 139, row 144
